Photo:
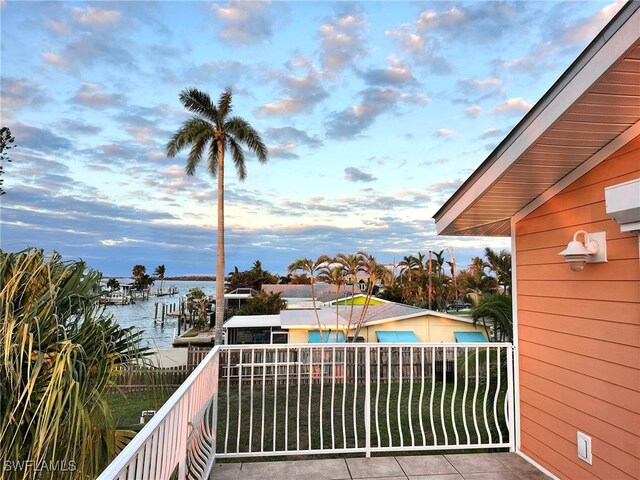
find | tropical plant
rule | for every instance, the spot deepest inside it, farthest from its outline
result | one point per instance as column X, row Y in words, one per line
column 262, row 303
column 373, row 270
column 214, row 131
column 159, row 273
column 335, row 274
column 312, row 268
column 252, row 278
column 496, row 314
column 6, row 143
column 500, row 264
column 59, row 353
column 140, row 278
column 113, row 284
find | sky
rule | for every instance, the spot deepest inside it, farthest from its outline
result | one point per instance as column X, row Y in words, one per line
column 373, row 112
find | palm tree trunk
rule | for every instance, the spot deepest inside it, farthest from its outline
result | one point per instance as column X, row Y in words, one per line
column 315, row 309
column 220, row 250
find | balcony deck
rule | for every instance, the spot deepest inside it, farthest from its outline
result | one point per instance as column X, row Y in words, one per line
column 473, row 466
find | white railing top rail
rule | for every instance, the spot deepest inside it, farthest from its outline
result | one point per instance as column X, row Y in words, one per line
column 138, row 442
column 363, row 345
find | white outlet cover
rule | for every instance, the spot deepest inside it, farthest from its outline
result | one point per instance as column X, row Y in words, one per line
column 584, row 448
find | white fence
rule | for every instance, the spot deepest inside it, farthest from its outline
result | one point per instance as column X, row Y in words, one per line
column 252, row 401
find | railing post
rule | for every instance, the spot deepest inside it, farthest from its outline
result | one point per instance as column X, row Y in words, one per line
column 511, row 399
column 367, row 400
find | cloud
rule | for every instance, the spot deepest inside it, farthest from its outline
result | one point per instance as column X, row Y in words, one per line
column 353, row 174
column 492, row 132
column 300, row 94
column 90, row 95
column 245, row 22
column 472, row 112
column 397, row 74
column 78, row 127
column 450, row 19
column 583, row 30
column 420, row 49
column 39, row 139
column 96, row 17
column 355, row 119
column 445, row 133
column 512, row 106
column 293, row 135
column 342, row 40
column 88, row 49
column 19, row 93
column 283, row 151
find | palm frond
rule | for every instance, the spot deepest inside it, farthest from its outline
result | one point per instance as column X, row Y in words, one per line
column 245, row 134
column 212, row 159
column 199, row 102
column 186, row 134
column 198, row 146
column 224, row 104
column 238, row 158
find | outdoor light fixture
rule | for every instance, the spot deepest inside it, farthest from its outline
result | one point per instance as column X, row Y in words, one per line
column 593, row 250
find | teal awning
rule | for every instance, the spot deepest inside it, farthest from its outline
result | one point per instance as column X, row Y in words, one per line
column 468, row 337
column 327, row 337
column 386, row 336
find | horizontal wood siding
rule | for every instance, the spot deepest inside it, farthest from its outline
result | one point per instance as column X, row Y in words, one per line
column 579, row 332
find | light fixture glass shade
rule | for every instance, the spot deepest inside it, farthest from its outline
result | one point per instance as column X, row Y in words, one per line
column 577, row 253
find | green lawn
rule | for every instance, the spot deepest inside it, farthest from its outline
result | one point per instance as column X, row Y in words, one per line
column 320, row 419
column 126, row 408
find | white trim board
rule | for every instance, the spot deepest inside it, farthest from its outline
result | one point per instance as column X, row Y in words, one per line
column 537, row 465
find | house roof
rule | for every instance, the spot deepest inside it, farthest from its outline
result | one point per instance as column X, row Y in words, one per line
column 323, row 291
column 251, row 321
column 591, row 111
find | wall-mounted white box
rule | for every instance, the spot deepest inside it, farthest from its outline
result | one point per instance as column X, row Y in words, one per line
column 584, row 448
column 623, row 204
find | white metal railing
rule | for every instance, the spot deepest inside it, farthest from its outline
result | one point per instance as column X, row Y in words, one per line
column 330, row 398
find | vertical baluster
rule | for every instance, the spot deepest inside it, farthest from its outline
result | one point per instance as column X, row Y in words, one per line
column 240, row 368
column 276, row 353
column 310, row 384
column 299, row 367
column 355, row 394
column 228, row 370
column 433, row 391
column 424, row 437
column 453, row 395
column 409, row 402
column 498, row 351
column 399, row 406
column 475, row 396
column 442, row 396
column 344, row 398
column 252, row 384
column 389, row 373
column 286, row 401
column 378, row 349
column 321, row 397
column 464, row 394
column 333, row 394
column 486, row 394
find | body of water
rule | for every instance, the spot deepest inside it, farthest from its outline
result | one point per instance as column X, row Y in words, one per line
column 140, row 314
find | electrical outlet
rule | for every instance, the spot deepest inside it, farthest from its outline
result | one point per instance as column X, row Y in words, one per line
column 584, row 447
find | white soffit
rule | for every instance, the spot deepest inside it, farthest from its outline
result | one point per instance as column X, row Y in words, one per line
column 591, row 111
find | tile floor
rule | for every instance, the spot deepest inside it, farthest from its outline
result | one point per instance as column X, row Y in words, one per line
column 481, row 466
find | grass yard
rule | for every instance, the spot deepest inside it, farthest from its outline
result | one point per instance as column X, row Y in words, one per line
column 327, row 416
column 127, row 407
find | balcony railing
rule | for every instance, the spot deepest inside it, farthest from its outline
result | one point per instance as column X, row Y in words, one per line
column 248, row 401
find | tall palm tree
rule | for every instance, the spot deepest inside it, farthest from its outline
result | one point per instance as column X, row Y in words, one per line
column 374, row 270
column 214, row 131
column 500, row 264
column 312, row 268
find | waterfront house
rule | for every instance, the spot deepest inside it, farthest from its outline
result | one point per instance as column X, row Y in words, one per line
column 570, row 170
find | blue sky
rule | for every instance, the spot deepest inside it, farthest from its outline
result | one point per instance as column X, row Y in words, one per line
column 374, row 113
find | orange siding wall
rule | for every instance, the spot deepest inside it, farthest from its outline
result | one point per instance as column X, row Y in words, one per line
column 579, row 332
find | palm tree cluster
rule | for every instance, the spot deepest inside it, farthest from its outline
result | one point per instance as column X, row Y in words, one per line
column 423, row 279
column 343, row 269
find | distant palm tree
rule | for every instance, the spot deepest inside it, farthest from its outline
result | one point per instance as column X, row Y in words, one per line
column 500, row 264
column 335, row 274
column 159, row 272
column 374, row 270
column 497, row 309
column 312, row 268
column 352, row 266
column 213, row 131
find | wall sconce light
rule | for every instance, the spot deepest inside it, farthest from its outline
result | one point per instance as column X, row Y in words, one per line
column 593, row 250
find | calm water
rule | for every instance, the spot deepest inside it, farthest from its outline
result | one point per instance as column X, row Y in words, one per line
column 141, row 313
